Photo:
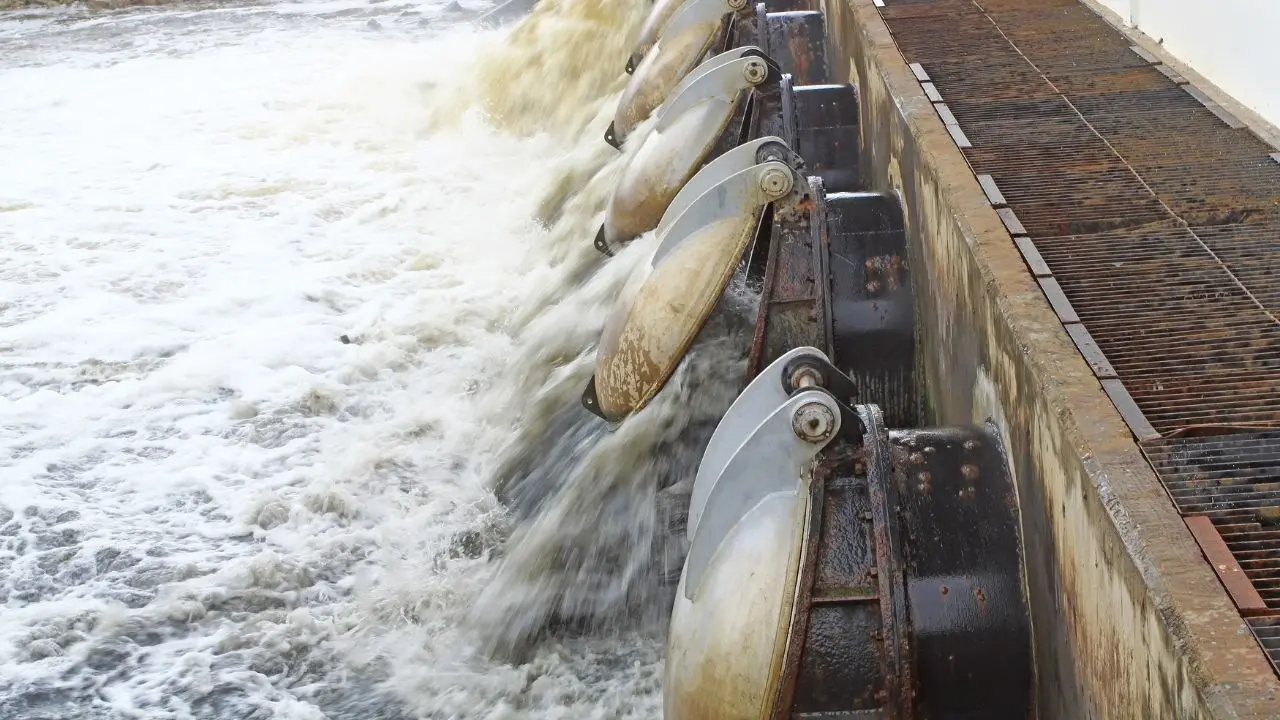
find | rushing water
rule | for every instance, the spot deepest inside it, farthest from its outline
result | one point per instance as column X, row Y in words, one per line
column 290, row 295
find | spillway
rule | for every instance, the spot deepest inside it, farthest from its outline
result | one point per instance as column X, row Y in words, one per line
column 290, row 294
column 872, row 358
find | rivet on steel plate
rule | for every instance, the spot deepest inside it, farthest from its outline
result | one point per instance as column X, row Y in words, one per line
column 813, row 422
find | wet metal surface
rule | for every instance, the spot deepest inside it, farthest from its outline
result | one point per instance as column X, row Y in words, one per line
column 863, row 315
column 963, row 563
column 650, row 181
column 913, row 604
column 872, row 310
column 827, row 133
column 1150, row 217
column 818, row 119
column 696, row 31
column 790, row 258
column 792, row 299
column 663, row 306
column 797, row 40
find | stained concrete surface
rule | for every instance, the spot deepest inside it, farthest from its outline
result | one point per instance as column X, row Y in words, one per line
column 1130, row 622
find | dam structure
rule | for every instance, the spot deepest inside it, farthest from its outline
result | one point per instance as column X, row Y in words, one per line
column 695, row 359
column 1119, row 223
column 1018, row 226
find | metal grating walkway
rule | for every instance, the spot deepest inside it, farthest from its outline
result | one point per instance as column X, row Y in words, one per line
column 1151, row 218
column 1228, row 488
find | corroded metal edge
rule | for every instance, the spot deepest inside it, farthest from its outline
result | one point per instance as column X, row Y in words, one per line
column 1217, row 668
column 1224, row 564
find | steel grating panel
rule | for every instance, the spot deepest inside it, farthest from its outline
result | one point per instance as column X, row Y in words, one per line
column 1249, row 251
column 1090, row 143
column 1267, row 632
column 1151, row 217
column 1206, row 475
column 1233, row 483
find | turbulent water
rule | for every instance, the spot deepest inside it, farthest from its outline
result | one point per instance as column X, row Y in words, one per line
column 296, row 304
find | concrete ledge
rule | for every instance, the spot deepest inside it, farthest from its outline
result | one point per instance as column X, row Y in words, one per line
column 1130, row 620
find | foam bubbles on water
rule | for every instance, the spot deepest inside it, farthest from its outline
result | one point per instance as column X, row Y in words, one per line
column 215, row 507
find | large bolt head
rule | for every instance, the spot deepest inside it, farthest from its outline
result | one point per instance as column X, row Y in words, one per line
column 805, row 376
column 775, row 182
column 755, row 71
column 813, row 422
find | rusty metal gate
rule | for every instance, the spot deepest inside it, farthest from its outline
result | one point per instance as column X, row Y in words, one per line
column 1150, row 217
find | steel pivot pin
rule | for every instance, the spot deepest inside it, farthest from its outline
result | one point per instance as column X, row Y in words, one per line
column 775, row 182
column 813, row 422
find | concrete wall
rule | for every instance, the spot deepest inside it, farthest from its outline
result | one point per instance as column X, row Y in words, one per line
column 1235, row 44
column 1130, row 622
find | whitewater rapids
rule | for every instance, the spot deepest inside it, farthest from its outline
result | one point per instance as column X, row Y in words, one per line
column 290, row 295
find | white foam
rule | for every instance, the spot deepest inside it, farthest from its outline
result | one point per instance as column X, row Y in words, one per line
column 209, row 505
